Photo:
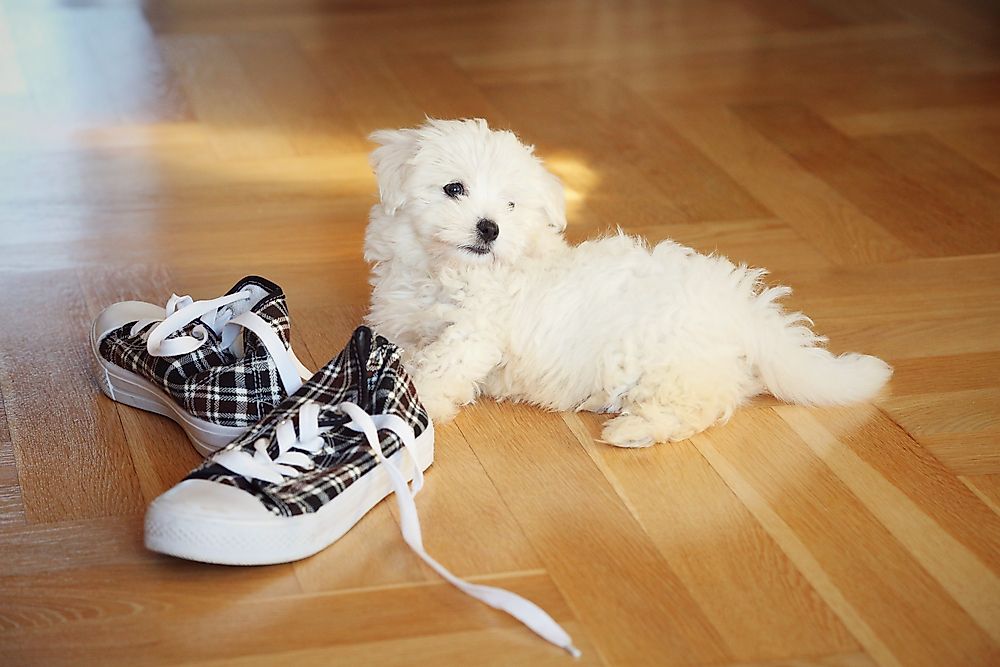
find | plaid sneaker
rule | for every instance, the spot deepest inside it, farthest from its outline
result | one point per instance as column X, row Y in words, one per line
column 307, row 472
column 215, row 367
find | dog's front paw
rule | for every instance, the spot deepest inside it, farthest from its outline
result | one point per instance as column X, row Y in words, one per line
column 433, row 395
column 439, row 409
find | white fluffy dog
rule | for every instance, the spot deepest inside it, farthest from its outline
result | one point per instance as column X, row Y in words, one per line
column 472, row 277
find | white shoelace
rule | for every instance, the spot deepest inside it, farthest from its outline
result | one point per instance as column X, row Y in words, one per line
column 181, row 311
column 261, row 466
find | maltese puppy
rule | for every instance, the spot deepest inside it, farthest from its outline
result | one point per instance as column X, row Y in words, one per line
column 471, row 275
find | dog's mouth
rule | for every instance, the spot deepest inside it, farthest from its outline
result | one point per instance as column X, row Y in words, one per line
column 476, row 249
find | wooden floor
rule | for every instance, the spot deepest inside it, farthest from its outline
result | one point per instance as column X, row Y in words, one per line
column 851, row 146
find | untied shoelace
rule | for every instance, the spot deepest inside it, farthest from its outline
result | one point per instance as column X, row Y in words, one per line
column 181, row 311
column 293, row 454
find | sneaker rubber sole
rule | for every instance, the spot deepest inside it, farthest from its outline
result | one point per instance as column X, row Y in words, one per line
column 126, row 387
column 210, row 522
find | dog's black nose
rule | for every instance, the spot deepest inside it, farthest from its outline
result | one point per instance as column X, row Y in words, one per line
column 488, row 230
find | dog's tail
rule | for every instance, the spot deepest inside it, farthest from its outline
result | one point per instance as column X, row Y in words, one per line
column 795, row 367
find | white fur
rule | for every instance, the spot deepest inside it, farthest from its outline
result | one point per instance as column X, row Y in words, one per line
column 672, row 340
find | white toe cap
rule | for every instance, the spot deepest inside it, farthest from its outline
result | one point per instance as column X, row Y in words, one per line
column 204, row 498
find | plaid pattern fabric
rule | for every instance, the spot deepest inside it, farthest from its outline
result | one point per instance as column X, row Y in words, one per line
column 369, row 373
column 212, row 383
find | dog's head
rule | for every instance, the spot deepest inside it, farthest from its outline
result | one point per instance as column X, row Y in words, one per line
column 469, row 192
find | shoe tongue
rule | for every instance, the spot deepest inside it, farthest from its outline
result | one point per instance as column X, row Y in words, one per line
column 256, row 283
column 269, row 304
column 359, row 351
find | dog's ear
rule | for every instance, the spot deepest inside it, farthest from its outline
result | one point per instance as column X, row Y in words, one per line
column 553, row 201
column 390, row 162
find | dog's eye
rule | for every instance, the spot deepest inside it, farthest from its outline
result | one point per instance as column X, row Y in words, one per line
column 510, row 205
column 454, row 190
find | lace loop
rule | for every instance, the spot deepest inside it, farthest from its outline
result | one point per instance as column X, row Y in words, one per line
column 181, row 311
column 218, row 314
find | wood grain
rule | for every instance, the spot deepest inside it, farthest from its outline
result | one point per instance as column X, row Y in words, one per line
column 178, row 625
column 956, row 561
column 76, row 432
column 921, row 218
column 792, row 488
column 799, row 197
column 221, row 94
column 986, row 488
column 732, row 568
column 851, row 147
column 11, row 506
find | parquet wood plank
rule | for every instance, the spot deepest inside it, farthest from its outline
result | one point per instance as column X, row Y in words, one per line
column 767, row 242
column 970, row 411
column 949, row 288
column 932, row 119
column 295, row 95
column 694, row 184
column 371, row 555
column 750, row 591
column 965, row 453
column 107, row 555
column 972, row 22
column 834, row 537
column 861, row 12
column 51, row 396
column 135, row 189
column 911, row 212
column 495, row 647
column 839, row 230
column 711, row 67
column 24, row 135
column 926, row 375
column 947, row 530
column 370, row 95
column 441, row 89
column 11, row 507
column 791, row 16
column 971, row 192
column 460, row 474
column 811, row 72
column 981, row 145
column 430, row 26
column 168, row 626
column 895, row 338
column 579, row 538
column 223, row 98
column 986, row 488
column 905, row 90
column 859, row 659
column 42, row 550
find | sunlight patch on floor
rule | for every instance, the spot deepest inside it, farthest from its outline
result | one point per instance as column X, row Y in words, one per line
column 577, row 177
